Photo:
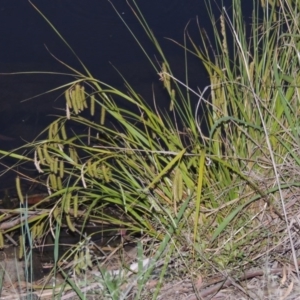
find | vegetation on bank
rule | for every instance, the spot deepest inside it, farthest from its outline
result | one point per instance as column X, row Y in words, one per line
column 221, row 203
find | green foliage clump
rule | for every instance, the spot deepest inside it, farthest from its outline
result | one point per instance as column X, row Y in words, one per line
column 224, row 191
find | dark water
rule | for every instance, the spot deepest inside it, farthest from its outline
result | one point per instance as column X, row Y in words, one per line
column 94, row 30
column 99, row 37
column 91, row 27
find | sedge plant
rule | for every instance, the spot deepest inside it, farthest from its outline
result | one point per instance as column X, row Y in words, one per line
column 214, row 202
